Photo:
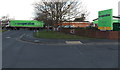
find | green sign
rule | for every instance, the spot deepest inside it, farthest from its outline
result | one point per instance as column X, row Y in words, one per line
column 26, row 23
column 105, row 21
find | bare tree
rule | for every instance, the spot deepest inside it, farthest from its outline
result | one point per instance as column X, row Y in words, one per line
column 59, row 10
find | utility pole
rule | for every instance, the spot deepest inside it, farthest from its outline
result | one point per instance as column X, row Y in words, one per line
column 119, row 8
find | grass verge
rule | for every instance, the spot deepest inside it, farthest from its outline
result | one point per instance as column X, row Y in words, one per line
column 3, row 30
column 57, row 35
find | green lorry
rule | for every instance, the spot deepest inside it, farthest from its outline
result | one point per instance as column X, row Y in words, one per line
column 25, row 24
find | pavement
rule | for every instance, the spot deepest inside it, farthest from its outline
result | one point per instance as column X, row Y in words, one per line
column 30, row 38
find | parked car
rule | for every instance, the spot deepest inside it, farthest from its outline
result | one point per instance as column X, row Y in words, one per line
column 68, row 26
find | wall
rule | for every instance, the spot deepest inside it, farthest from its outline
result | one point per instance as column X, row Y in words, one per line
column 115, row 35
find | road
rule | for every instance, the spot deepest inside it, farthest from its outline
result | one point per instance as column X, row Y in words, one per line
column 19, row 54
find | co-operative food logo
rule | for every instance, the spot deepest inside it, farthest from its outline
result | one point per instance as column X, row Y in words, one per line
column 105, row 15
column 24, row 23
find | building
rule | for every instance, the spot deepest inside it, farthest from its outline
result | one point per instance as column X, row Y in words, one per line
column 106, row 21
column 75, row 24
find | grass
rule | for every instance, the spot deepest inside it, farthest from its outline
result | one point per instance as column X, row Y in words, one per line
column 57, row 35
column 3, row 30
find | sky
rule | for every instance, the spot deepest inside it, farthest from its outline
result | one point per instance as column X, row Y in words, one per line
column 23, row 9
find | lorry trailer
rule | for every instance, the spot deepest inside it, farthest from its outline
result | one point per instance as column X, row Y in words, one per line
column 30, row 24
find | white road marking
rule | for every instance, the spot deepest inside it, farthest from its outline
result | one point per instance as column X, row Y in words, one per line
column 36, row 41
column 8, row 37
column 22, row 35
column 73, row 42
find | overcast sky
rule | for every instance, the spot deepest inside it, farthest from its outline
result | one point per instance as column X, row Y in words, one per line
column 23, row 9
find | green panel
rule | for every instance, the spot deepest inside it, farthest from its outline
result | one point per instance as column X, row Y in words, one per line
column 114, row 21
column 26, row 23
column 95, row 22
column 106, row 18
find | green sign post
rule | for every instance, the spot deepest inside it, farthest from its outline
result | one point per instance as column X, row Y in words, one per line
column 105, row 21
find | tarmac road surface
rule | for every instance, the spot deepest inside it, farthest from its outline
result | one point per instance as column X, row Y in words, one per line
column 20, row 54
